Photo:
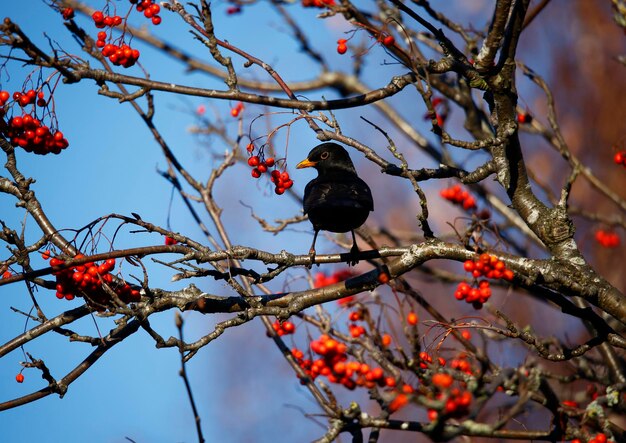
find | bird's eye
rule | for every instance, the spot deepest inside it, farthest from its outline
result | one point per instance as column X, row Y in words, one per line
column 324, row 155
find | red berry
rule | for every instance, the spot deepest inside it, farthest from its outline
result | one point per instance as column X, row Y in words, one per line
column 19, row 378
column 156, row 20
column 67, row 13
column 97, row 16
column 342, row 48
column 389, row 40
column 256, row 173
column 412, row 318
column 254, row 161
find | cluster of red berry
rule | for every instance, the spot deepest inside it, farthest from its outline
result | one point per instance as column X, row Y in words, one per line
column 284, row 328
column 321, row 279
column 24, row 98
column 356, row 330
column 488, row 266
column 260, row 165
column 461, row 363
column 620, row 158
column 150, row 10
column 456, row 194
column 317, row 3
column 478, row 292
column 87, row 279
column 281, row 181
column 608, row 239
column 104, row 21
column 426, row 360
column 120, row 55
column 456, row 403
column 28, row 133
column 333, row 364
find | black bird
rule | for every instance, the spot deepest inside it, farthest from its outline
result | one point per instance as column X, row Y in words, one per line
column 337, row 200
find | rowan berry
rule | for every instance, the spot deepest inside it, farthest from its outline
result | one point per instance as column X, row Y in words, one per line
column 524, row 117
column 341, row 46
column 389, row 40
column 98, row 16
column 67, row 13
column 19, row 378
column 412, row 318
column 608, row 239
column 442, row 380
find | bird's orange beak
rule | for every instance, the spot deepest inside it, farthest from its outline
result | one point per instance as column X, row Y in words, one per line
column 306, row 163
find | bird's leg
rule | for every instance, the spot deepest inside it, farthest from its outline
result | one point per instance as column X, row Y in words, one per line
column 312, row 250
column 354, row 251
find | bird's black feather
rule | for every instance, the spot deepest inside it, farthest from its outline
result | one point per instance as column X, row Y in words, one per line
column 338, row 200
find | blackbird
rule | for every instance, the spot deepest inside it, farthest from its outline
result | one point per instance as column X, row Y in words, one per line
column 337, row 200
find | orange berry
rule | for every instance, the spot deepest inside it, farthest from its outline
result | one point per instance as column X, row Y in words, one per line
column 442, row 380
column 407, row 389
column 390, row 382
column 386, row 339
column 412, row 318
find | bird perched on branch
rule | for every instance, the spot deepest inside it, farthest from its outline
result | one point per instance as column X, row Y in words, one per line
column 337, row 200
